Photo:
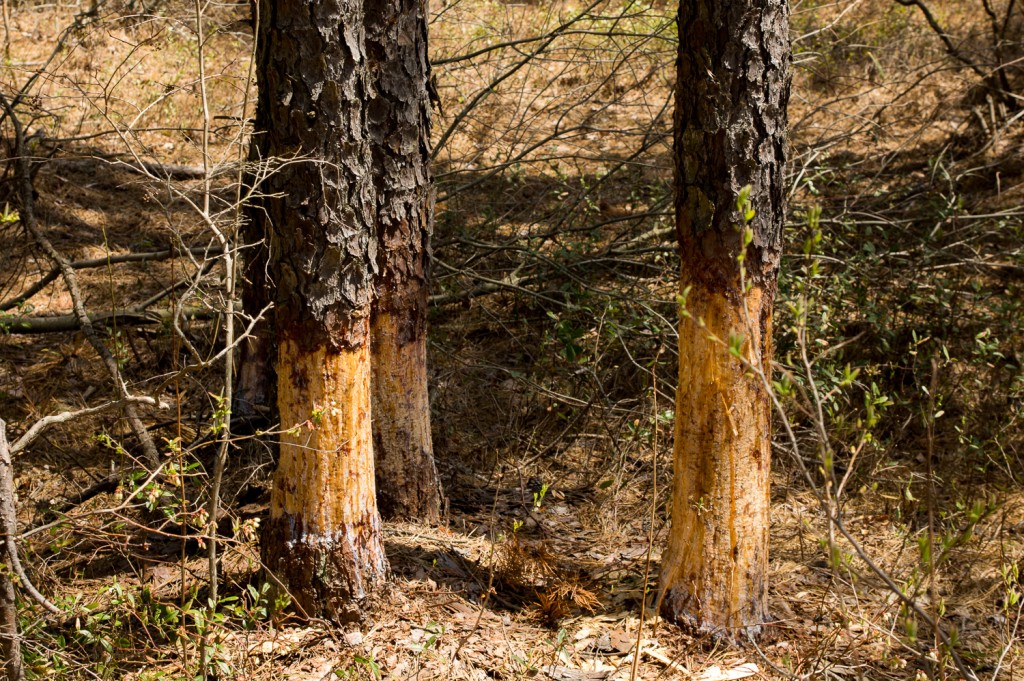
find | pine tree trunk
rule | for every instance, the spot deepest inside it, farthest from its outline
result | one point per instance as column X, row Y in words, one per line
column 322, row 540
column 396, row 39
column 730, row 132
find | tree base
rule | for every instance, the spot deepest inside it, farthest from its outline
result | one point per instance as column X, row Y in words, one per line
column 323, row 576
column 322, row 541
column 676, row 607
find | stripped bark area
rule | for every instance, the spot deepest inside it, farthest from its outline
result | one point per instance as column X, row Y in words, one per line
column 322, row 540
column 399, row 127
column 730, row 132
column 716, row 566
column 407, row 482
column 323, row 537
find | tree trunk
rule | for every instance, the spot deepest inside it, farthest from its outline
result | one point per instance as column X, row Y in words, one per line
column 254, row 394
column 323, row 539
column 10, row 638
column 396, row 40
column 730, row 133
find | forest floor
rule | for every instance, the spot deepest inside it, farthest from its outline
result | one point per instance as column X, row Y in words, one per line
column 552, row 354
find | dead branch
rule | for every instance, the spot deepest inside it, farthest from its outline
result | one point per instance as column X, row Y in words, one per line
column 36, row 429
column 9, row 521
column 10, row 638
column 27, row 218
column 68, row 323
column 168, row 171
column 151, row 256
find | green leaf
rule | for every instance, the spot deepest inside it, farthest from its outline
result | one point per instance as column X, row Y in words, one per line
column 736, row 345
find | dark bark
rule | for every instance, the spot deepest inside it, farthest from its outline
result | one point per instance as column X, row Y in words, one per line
column 315, row 79
column 254, row 395
column 399, row 128
column 314, row 82
column 730, row 133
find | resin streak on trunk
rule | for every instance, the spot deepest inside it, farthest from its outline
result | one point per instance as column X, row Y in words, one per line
column 730, row 132
column 323, row 518
column 716, row 571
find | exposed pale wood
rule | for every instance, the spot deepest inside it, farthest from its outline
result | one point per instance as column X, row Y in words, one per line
column 716, row 565
column 323, row 537
column 730, row 138
column 399, row 130
column 407, row 479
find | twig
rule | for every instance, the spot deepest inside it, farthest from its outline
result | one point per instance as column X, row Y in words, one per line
column 929, row 422
column 11, row 638
column 54, row 272
column 37, row 428
column 213, row 507
column 654, row 515
column 9, row 520
column 1009, row 643
column 490, row 578
column 27, row 217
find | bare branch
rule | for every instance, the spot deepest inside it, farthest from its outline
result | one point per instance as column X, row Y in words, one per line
column 151, row 256
column 9, row 520
column 27, row 217
column 66, row 323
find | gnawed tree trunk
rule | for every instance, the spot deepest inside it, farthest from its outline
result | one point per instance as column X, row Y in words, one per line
column 322, row 539
column 730, row 132
column 399, row 127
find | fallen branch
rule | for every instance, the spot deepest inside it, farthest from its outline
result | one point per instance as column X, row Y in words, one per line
column 152, row 256
column 167, row 171
column 66, row 323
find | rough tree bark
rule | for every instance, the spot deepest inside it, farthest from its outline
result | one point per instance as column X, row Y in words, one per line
column 730, row 132
column 315, row 79
column 399, row 127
